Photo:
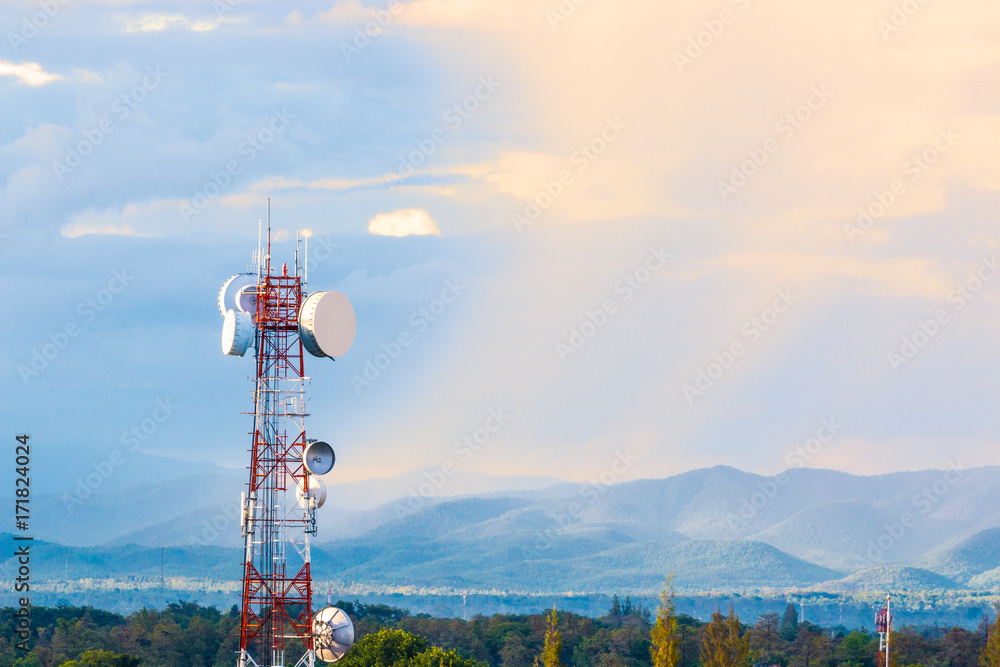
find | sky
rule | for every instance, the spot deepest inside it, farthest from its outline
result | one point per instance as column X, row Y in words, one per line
column 628, row 238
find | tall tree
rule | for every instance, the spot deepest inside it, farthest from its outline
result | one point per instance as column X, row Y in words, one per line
column 990, row 656
column 723, row 646
column 764, row 638
column 615, row 613
column 665, row 649
column 811, row 646
column 789, row 623
column 553, row 641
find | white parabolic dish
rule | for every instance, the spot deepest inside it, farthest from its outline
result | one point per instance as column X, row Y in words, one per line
column 317, row 490
column 327, row 324
column 334, row 634
column 230, row 292
column 318, row 457
column 237, row 330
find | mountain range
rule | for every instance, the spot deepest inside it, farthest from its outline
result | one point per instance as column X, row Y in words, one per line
column 715, row 529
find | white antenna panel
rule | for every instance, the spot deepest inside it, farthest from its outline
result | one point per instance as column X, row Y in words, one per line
column 318, row 457
column 327, row 324
column 228, row 295
column 237, row 330
column 317, row 490
column 334, row 633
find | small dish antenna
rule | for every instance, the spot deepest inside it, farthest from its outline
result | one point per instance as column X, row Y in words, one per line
column 229, row 295
column 327, row 324
column 237, row 330
column 246, row 300
column 317, row 490
column 334, row 634
column 318, row 457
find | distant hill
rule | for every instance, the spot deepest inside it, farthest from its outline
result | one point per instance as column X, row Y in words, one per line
column 412, row 489
column 717, row 528
column 889, row 578
column 970, row 557
column 198, row 509
column 51, row 561
column 106, row 513
column 510, row 543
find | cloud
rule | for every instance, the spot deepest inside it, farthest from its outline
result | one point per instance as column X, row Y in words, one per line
column 148, row 219
column 410, row 221
column 162, row 22
column 29, row 73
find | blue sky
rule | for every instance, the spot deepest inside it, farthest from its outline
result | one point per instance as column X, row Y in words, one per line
column 544, row 157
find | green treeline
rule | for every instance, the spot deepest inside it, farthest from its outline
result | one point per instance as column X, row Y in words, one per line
column 189, row 635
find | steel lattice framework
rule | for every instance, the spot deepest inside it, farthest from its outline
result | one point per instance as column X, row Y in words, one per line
column 277, row 586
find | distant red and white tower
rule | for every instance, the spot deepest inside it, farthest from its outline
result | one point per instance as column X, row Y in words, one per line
column 284, row 489
column 883, row 625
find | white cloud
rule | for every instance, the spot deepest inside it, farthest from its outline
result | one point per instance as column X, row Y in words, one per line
column 407, row 222
column 162, row 22
column 29, row 73
column 146, row 219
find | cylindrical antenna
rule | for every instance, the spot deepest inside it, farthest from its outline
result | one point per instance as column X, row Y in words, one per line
column 259, row 224
column 305, row 259
column 297, row 243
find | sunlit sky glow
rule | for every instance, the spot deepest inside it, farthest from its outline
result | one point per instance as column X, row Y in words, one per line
column 843, row 154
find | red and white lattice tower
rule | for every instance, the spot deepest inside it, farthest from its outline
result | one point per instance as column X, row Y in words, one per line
column 283, row 490
column 883, row 625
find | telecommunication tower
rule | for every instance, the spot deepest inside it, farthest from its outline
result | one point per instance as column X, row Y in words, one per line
column 273, row 313
column 883, row 625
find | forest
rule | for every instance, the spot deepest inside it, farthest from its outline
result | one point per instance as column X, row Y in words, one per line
column 185, row 634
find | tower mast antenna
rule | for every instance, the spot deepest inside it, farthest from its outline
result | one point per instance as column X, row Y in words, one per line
column 284, row 486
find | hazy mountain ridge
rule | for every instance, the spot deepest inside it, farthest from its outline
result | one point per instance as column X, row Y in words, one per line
column 716, row 528
column 889, row 578
column 974, row 556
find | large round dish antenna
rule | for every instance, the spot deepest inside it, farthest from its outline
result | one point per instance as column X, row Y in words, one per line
column 327, row 324
column 228, row 295
column 318, row 457
column 237, row 330
column 246, row 300
column 317, row 490
column 334, row 634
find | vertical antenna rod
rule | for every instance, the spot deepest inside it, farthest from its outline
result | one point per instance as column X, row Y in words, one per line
column 888, row 631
